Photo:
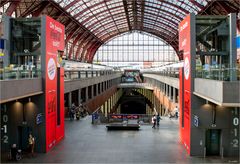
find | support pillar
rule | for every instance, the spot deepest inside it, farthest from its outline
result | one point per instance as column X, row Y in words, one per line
column 69, row 99
column 96, row 89
column 86, row 94
column 79, row 96
column 174, row 95
column 92, row 91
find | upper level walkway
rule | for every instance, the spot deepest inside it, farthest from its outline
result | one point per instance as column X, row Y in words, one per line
column 87, row 143
column 136, row 85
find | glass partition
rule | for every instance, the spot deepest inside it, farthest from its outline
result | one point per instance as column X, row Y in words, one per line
column 25, row 49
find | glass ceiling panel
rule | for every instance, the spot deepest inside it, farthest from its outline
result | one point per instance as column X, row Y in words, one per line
column 157, row 16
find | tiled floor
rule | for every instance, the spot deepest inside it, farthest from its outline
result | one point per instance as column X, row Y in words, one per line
column 87, row 143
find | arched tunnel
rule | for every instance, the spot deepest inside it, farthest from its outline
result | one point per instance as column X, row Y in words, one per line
column 133, row 102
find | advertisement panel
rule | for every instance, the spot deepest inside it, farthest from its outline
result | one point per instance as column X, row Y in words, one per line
column 185, row 46
column 54, row 42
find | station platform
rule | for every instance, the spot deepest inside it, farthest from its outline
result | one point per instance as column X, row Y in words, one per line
column 87, row 143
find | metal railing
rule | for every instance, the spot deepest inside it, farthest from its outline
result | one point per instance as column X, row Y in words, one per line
column 10, row 74
column 81, row 74
column 222, row 74
column 174, row 74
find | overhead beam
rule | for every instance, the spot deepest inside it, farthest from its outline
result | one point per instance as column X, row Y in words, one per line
column 3, row 2
column 73, row 45
column 127, row 14
column 70, row 35
column 224, row 7
column 197, row 4
column 110, row 15
column 86, row 9
column 82, row 41
column 12, row 7
column 71, row 4
column 174, row 5
column 73, row 19
column 142, row 13
column 166, row 27
column 43, row 5
column 134, row 10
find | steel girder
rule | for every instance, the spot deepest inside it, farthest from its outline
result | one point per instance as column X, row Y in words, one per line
column 148, row 23
column 127, row 14
column 146, row 12
column 94, row 50
column 82, row 42
column 12, row 7
column 43, row 5
column 73, row 45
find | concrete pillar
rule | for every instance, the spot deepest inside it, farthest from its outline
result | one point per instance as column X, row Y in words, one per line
column 96, row 89
column 174, row 95
column 69, row 99
column 86, row 94
column 92, row 91
column 170, row 92
column 79, row 96
column 100, row 85
column 166, row 93
column 104, row 86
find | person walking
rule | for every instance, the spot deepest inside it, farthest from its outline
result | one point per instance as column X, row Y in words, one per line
column 154, row 121
column 158, row 119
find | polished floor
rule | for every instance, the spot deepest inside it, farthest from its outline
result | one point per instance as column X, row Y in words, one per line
column 87, row 143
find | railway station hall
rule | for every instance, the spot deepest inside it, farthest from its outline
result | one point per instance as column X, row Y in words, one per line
column 120, row 81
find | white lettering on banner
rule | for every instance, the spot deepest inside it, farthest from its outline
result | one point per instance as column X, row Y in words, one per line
column 56, row 44
column 51, row 25
column 184, row 42
column 235, row 130
column 58, row 29
column 4, row 127
column 55, row 27
column 183, row 26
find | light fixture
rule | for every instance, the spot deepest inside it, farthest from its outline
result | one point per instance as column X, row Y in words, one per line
column 29, row 99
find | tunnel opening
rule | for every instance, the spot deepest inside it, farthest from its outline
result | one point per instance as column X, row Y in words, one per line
column 133, row 107
column 132, row 103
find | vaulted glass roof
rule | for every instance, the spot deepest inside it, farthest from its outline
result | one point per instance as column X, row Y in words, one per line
column 91, row 23
column 108, row 18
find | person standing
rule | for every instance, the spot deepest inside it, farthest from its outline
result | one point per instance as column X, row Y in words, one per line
column 31, row 142
column 14, row 152
column 176, row 112
column 158, row 119
column 154, row 121
column 72, row 111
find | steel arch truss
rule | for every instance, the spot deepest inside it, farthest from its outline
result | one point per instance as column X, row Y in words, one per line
column 91, row 23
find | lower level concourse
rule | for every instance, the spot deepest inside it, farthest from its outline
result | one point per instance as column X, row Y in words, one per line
column 87, row 143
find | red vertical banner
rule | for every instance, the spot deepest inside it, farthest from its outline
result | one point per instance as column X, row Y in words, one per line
column 185, row 46
column 54, row 42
